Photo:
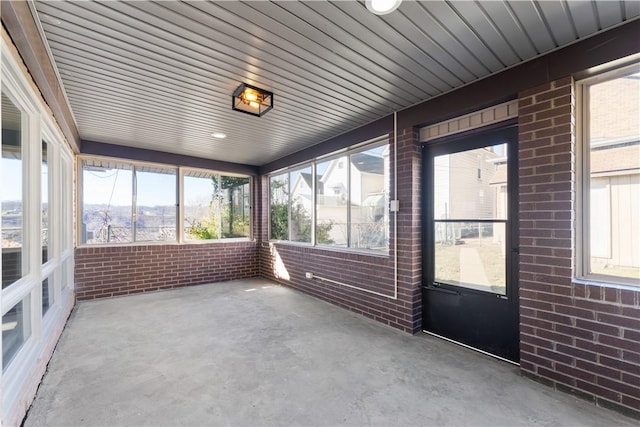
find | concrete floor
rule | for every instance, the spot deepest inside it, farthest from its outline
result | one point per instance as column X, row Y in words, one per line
column 253, row 353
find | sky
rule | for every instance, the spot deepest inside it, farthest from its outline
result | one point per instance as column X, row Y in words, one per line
column 11, row 179
column 154, row 189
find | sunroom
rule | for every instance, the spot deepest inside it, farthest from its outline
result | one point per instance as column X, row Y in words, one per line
column 464, row 170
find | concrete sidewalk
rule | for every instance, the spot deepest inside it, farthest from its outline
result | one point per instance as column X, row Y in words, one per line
column 252, row 353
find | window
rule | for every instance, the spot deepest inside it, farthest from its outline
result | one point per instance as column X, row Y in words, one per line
column 215, row 206
column 47, row 294
column 340, row 201
column 14, row 249
column 610, row 181
column 44, row 195
column 332, row 195
column 37, row 251
column 279, row 207
column 155, row 202
column 368, row 195
column 125, row 202
column 107, row 202
column 16, row 329
column 233, row 194
column 301, row 205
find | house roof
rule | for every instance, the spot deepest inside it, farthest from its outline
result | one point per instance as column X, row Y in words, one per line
column 308, row 179
column 368, row 163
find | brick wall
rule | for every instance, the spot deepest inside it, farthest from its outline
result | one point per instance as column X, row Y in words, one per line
column 580, row 338
column 122, row 270
column 287, row 263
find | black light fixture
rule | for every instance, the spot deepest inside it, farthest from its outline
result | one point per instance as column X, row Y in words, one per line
column 251, row 100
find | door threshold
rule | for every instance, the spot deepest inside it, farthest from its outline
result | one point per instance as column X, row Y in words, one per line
column 471, row 348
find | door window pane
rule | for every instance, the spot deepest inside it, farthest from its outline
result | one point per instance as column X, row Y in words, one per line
column 16, row 329
column 369, row 198
column 234, row 200
column 44, row 192
column 471, row 254
column 279, row 207
column 155, row 204
column 467, row 184
column 301, row 204
column 470, row 213
column 614, row 184
column 332, row 189
column 13, row 249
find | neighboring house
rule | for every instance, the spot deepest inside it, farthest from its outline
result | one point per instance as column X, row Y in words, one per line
column 302, row 191
column 368, row 199
column 615, row 178
column 615, row 174
column 464, row 190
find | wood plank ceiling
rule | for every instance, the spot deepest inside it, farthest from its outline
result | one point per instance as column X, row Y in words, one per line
column 159, row 75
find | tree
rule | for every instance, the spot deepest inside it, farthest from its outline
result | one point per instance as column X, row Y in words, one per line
column 221, row 206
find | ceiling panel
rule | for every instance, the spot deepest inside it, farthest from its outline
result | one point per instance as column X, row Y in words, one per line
column 583, row 13
column 609, row 13
column 159, row 75
column 506, row 23
column 561, row 29
column 487, row 32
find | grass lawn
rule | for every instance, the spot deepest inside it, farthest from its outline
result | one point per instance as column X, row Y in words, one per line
column 447, row 259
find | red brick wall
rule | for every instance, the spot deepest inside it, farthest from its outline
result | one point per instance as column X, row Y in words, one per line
column 287, row 263
column 580, row 338
column 122, row 270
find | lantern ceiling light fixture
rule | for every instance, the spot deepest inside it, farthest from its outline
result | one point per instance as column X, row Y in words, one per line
column 382, row 7
column 252, row 100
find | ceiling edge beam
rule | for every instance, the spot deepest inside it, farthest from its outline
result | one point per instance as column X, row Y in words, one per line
column 503, row 86
column 596, row 50
column 144, row 155
column 364, row 133
column 21, row 27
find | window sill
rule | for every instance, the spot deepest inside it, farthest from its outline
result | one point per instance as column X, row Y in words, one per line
column 166, row 243
column 219, row 241
column 368, row 252
column 604, row 281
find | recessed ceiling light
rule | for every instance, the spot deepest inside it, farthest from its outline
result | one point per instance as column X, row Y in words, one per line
column 382, row 7
column 219, row 135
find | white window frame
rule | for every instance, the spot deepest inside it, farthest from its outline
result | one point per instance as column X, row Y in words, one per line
column 179, row 173
column 269, row 200
column 288, row 172
column 183, row 170
column 38, row 125
column 583, row 174
column 380, row 141
column 134, row 166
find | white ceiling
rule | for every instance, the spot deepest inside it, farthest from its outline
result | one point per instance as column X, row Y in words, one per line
column 159, row 75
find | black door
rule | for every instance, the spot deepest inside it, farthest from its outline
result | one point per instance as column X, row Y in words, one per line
column 470, row 284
